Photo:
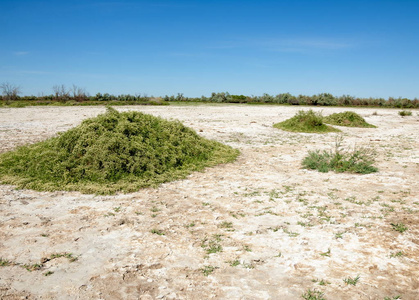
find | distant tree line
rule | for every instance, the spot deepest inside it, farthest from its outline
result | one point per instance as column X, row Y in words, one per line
column 323, row 99
column 75, row 95
column 9, row 91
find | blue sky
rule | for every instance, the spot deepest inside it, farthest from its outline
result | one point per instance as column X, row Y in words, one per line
column 359, row 48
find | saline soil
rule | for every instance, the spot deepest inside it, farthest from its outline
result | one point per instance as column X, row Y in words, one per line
column 258, row 228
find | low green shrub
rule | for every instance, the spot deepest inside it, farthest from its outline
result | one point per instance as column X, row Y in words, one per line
column 358, row 160
column 306, row 121
column 347, row 118
column 404, row 113
column 113, row 152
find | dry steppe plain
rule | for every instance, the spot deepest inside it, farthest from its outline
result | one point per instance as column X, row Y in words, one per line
column 258, row 228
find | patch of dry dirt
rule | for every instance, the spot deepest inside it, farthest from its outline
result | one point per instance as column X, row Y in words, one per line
column 259, row 228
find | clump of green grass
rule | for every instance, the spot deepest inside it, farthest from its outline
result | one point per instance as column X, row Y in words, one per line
column 226, row 225
column 404, row 113
column 306, row 121
column 157, row 231
column 326, row 253
column 397, row 254
column 207, row 270
column 358, row 160
column 347, row 118
column 212, row 245
column 392, row 298
column 352, row 281
column 400, row 227
column 234, row 263
column 113, row 152
column 4, row 262
column 67, row 255
column 48, row 273
column 324, row 282
column 313, row 295
column 32, row 267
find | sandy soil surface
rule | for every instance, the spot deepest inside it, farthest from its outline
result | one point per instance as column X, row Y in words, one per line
column 259, row 228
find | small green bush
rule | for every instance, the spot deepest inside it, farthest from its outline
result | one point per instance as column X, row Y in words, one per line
column 359, row 160
column 306, row 121
column 404, row 113
column 113, row 152
column 347, row 118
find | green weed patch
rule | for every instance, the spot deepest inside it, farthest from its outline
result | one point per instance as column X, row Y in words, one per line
column 347, row 118
column 359, row 160
column 113, row 152
column 306, row 121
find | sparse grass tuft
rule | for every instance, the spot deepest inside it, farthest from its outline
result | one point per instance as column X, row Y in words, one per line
column 67, row 255
column 234, row 263
column 313, row 295
column 347, row 118
column 400, row 227
column 33, row 267
column 352, row 281
column 208, row 270
column 4, row 262
column 323, row 282
column 393, row 298
column 39, row 266
column 306, row 121
column 247, row 248
column 157, row 231
column 113, row 152
column 339, row 235
column 226, row 225
column 212, row 245
column 190, row 225
column 326, row 253
column 358, row 160
column 48, row 273
column 397, row 254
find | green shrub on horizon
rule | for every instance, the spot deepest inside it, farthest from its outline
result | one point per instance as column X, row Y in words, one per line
column 348, row 119
column 113, row 152
column 306, row 121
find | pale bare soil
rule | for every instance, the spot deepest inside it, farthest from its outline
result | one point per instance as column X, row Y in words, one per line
column 276, row 230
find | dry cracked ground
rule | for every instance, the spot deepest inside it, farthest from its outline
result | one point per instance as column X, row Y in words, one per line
column 258, row 228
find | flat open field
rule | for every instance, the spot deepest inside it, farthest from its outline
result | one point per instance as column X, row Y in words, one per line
column 258, row 228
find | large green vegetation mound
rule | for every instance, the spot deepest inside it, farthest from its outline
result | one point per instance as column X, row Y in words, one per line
column 113, row 152
column 306, row 121
column 347, row 118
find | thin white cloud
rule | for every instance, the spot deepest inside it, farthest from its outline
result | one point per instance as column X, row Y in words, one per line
column 300, row 45
column 190, row 54
column 21, row 53
column 34, row 72
column 307, row 44
column 132, row 5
